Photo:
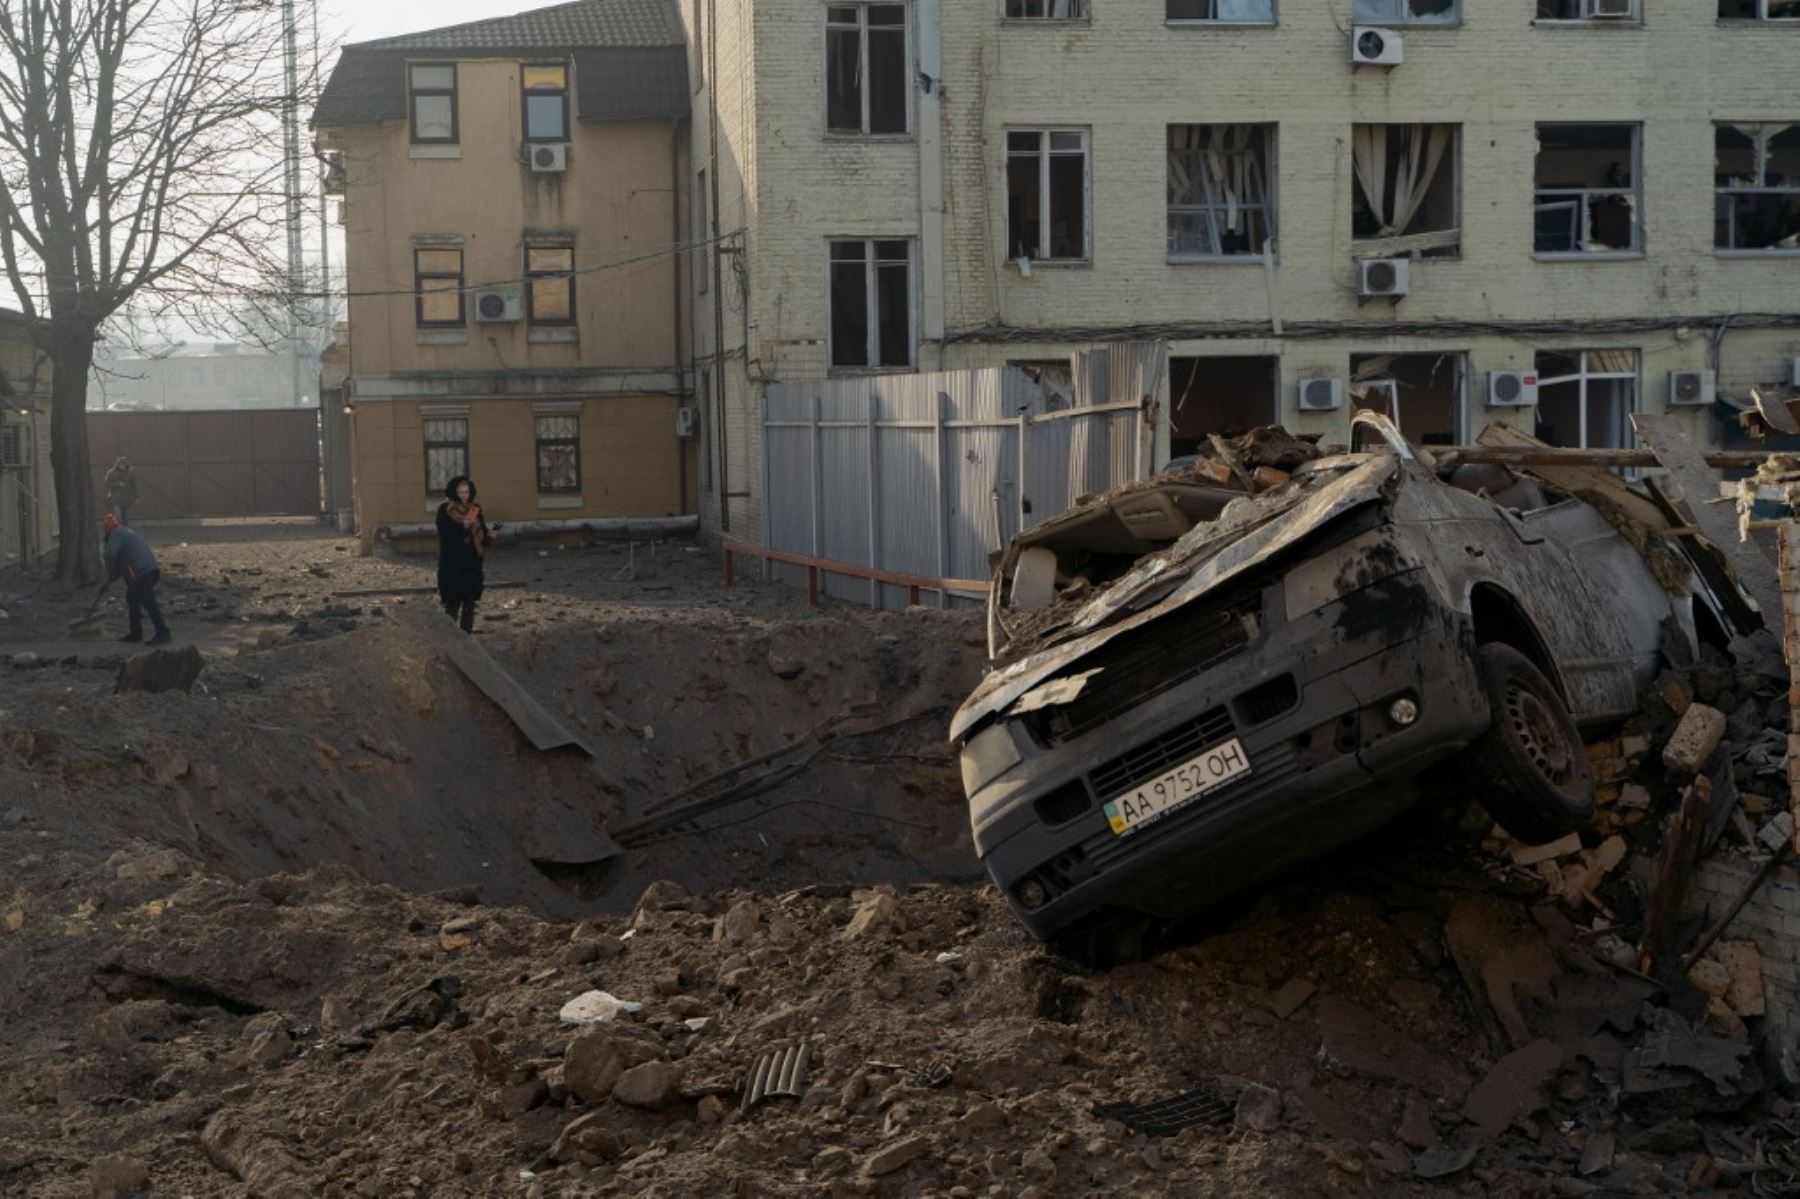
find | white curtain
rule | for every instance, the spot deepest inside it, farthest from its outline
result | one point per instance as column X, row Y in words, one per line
column 1418, row 152
column 1213, row 164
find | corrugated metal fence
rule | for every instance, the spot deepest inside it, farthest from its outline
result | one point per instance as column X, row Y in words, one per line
column 252, row 462
column 929, row 474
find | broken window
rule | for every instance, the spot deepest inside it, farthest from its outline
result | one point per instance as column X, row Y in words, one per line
column 446, row 451
column 433, row 102
column 1046, row 194
column 871, row 303
column 559, row 454
column 550, row 285
column 1759, row 10
column 1586, row 398
column 1588, row 190
column 1240, row 12
column 1228, row 395
column 1408, row 12
column 1421, row 393
column 1046, row 10
column 546, row 102
column 865, row 68
column 1218, row 190
column 438, row 288
column 1405, row 199
column 1756, row 169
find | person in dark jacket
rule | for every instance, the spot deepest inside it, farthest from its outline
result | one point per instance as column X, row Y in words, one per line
column 463, row 538
column 129, row 558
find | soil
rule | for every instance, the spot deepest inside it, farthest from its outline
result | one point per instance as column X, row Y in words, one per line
column 308, row 928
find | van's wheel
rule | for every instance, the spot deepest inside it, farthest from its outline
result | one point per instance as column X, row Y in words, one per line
column 1531, row 764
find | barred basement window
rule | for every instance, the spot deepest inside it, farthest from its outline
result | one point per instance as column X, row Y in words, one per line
column 446, row 451
column 559, row 455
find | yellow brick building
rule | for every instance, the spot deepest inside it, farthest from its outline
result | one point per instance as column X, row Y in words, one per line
column 514, row 213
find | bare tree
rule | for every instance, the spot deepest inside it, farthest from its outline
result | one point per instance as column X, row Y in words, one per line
column 141, row 158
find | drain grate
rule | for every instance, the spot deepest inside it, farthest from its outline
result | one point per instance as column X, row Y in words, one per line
column 1166, row 1117
column 777, row 1073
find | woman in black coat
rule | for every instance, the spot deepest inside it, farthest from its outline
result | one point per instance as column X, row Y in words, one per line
column 463, row 537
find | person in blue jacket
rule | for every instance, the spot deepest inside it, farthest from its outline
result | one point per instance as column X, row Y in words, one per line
column 129, row 558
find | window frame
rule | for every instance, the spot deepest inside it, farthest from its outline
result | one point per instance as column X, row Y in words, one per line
column 1583, row 375
column 1635, row 21
column 1762, row 17
column 1223, row 22
column 539, row 442
column 1580, row 197
column 1458, row 199
column 460, row 444
column 1044, row 155
column 1761, row 189
column 15, row 446
column 862, row 7
column 1409, row 21
column 531, row 276
column 413, row 92
column 1084, row 17
column 525, row 94
column 872, row 307
column 1269, row 207
column 461, row 290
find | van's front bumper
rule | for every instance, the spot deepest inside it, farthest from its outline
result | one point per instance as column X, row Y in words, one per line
column 1040, row 827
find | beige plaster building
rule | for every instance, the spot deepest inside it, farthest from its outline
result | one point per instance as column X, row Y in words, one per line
column 1598, row 199
column 27, row 489
column 514, row 207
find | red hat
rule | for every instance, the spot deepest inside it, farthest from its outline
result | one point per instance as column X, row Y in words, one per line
column 109, row 522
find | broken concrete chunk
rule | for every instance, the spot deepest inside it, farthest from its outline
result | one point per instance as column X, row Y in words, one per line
column 595, row 1007
column 1513, row 1089
column 1634, row 796
column 1694, row 739
column 739, row 924
column 1597, row 1154
column 1531, row 855
column 1710, row 976
column 877, row 912
column 652, row 1085
column 1441, row 1161
column 1292, row 997
column 591, row 1066
column 1259, row 1108
column 161, row 670
column 895, row 1155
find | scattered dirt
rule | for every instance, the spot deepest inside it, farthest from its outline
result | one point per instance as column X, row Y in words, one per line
column 307, row 930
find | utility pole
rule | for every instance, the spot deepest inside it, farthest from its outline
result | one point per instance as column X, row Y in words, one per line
column 290, row 131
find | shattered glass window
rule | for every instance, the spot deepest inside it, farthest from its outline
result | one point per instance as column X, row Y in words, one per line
column 1588, row 193
column 1756, row 174
column 1408, row 12
column 1219, row 190
column 1245, row 12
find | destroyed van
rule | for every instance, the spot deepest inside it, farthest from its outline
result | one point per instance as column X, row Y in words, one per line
column 1196, row 685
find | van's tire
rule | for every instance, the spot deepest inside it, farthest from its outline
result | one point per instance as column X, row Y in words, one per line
column 1530, row 764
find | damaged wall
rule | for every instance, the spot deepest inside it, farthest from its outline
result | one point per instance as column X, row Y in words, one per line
column 1771, row 920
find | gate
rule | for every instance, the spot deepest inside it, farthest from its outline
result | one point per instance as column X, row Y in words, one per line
column 246, row 462
column 929, row 474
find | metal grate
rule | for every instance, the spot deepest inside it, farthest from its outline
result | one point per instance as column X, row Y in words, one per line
column 1166, row 1117
column 1162, row 754
column 1141, row 664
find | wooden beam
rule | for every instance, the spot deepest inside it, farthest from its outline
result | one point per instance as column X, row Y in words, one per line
column 1497, row 455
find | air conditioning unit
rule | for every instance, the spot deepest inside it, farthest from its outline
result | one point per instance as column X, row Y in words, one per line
column 1692, row 389
column 498, row 306
column 686, row 422
column 1512, row 389
column 1321, row 395
column 1609, row 10
column 1371, row 47
column 1794, row 373
column 1387, row 278
column 551, row 158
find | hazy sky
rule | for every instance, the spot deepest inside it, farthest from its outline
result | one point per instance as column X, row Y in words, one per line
column 360, row 22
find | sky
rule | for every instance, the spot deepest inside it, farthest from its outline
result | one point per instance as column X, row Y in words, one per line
column 361, row 22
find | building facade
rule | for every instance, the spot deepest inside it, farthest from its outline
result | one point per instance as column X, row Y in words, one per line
column 1437, row 214
column 514, row 210
column 27, row 487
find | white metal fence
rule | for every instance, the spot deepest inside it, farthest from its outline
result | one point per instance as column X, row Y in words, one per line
column 929, row 474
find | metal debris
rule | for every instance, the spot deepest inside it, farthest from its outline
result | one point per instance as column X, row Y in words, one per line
column 777, row 1073
column 936, row 1074
column 1166, row 1117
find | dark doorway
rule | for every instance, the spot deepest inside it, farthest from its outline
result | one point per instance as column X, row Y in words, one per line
column 1227, row 396
column 1422, row 392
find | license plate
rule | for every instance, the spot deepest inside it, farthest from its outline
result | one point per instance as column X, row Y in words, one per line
column 1180, row 786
